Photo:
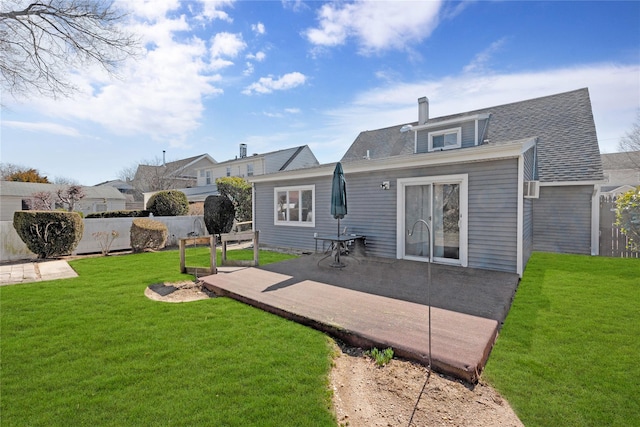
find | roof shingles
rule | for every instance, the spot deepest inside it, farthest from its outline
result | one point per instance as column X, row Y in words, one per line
column 567, row 144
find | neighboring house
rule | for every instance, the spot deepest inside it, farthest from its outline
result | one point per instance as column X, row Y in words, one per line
column 171, row 175
column 493, row 184
column 258, row 164
column 245, row 167
column 125, row 188
column 14, row 196
column 621, row 172
column 195, row 195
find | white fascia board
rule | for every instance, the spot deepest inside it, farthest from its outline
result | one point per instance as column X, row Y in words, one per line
column 458, row 120
column 435, row 158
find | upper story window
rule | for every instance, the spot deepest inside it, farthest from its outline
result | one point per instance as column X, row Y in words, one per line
column 249, row 169
column 228, row 170
column 294, row 206
column 445, row 139
column 201, row 173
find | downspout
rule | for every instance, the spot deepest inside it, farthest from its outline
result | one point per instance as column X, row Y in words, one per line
column 253, row 206
column 595, row 220
column 520, row 218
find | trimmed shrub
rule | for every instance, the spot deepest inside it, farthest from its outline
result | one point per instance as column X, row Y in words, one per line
column 49, row 233
column 148, row 234
column 628, row 217
column 238, row 190
column 168, row 203
column 218, row 214
column 119, row 214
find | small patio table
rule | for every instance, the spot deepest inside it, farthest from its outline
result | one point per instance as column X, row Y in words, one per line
column 337, row 244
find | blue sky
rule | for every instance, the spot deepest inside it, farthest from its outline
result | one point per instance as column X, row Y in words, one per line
column 277, row 74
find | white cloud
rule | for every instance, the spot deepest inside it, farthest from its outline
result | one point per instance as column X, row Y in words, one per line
column 295, row 5
column 159, row 94
column 269, row 84
column 211, row 10
column 258, row 56
column 43, row 127
column 249, row 69
column 613, row 91
column 151, row 10
column 481, row 60
column 227, row 44
column 285, row 112
column 258, row 28
column 376, row 26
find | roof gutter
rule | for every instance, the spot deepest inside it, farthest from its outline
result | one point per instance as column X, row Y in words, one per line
column 457, row 120
column 480, row 153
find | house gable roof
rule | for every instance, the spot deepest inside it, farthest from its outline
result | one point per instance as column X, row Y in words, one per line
column 176, row 167
column 26, row 189
column 290, row 153
column 621, row 161
column 567, row 144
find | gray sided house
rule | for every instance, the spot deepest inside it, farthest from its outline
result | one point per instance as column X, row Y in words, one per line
column 493, row 185
column 246, row 166
column 15, row 196
column 621, row 172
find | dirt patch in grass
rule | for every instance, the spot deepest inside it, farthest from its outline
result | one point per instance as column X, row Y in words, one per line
column 367, row 395
column 185, row 291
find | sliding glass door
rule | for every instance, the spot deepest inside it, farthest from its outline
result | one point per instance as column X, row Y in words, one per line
column 432, row 220
column 446, row 221
column 418, row 221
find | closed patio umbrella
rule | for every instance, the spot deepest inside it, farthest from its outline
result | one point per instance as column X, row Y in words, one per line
column 338, row 206
column 338, row 195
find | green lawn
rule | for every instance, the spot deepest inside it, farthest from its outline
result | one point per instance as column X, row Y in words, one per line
column 95, row 351
column 568, row 354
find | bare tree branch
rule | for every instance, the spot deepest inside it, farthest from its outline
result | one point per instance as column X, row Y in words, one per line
column 40, row 43
column 631, row 140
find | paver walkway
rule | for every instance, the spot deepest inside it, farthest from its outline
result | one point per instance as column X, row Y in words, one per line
column 11, row 274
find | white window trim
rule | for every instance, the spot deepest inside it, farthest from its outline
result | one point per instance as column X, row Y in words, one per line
column 457, row 131
column 298, row 223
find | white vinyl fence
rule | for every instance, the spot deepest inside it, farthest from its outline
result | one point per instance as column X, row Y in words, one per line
column 12, row 248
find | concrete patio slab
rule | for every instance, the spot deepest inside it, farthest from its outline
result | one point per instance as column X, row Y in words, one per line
column 460, row 342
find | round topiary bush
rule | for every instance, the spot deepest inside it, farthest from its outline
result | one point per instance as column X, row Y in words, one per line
column 218, row 214
column 49, row 233
column 168, row 203
column 148, row 234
